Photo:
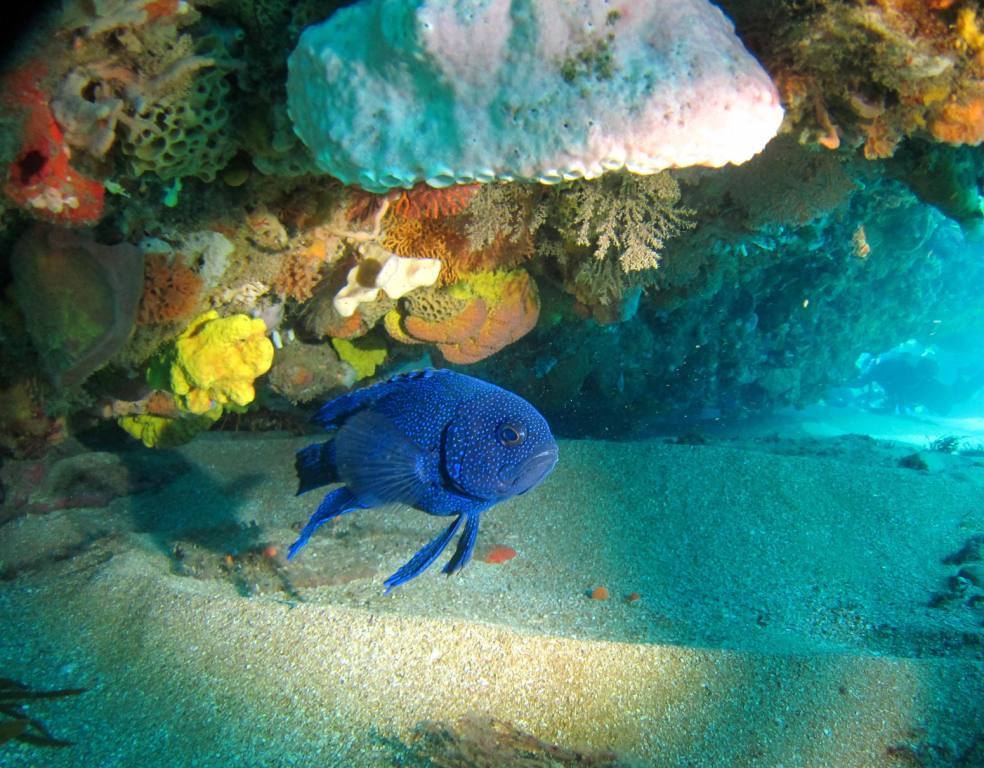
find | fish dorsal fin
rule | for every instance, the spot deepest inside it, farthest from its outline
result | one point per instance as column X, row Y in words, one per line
column 378, row 463
column 333, row 413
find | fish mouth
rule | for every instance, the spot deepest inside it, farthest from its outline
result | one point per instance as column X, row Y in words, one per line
column 531, row 471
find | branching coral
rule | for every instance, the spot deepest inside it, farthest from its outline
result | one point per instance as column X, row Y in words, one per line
column 496, row 234
column 430, row 238
column 426, row 238
column 623, row 216
column 507, row 211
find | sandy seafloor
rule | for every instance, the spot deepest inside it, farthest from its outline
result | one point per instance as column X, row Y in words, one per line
column 795, row 610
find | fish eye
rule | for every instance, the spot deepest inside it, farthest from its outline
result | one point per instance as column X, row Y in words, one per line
column 511, row 434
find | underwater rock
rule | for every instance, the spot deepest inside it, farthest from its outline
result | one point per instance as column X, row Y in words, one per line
column 478, row 741
column 321, row 319
column 388, row 93
column 305, row 372
column 26, row 430
column 79, row 298
column 944, row 177
column 89, row 479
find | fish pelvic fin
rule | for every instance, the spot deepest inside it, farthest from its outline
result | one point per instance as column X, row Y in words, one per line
column 334, row 504
column 466, row 545
column 423, row 559
column 315, row 466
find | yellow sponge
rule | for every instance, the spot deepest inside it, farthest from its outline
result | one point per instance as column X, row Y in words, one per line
column 216, row 361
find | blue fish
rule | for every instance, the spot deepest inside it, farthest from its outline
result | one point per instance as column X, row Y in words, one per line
column 442, row 442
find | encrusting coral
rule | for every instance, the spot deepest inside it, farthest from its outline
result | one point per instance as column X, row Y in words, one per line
column 364, row 354
column 471, row 319
column 871, row 73
column 41, row 180
column 163, row 431
column 424, row 202
column 300, row 271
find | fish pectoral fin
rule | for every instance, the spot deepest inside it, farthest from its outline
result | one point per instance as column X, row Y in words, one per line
column 427, row 555
column 334, row 504
column 377, row 461
column 466, row 545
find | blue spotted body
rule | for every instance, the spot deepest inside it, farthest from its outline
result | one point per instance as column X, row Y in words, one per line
column 439, row 441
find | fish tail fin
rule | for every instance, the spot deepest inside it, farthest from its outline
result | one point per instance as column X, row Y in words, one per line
column 427, row 555
column 334, row 504
column 315, row 466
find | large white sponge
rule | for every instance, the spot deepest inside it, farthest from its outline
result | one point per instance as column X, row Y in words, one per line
column 387, row 93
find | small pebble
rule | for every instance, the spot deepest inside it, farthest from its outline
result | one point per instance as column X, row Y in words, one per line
column 973, row 573
column 500, row 555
